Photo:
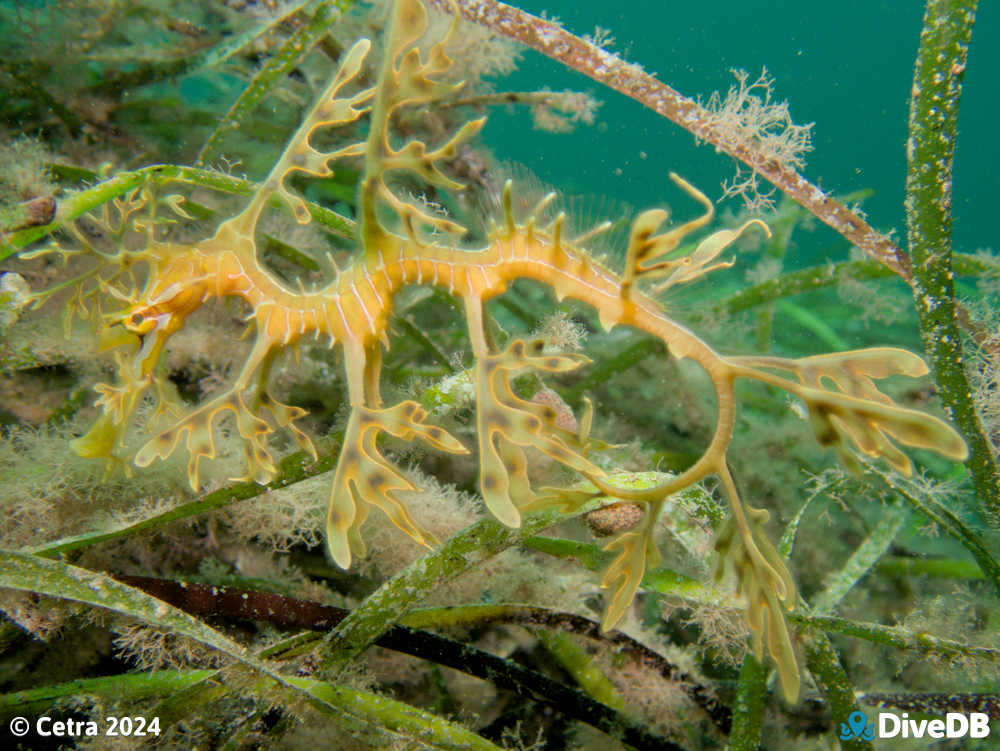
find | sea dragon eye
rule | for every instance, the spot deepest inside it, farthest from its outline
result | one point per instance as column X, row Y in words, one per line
column 139, row 323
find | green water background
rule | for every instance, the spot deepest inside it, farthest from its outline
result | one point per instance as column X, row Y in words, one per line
column 846, row 66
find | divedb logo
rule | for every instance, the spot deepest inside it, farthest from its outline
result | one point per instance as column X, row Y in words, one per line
column 954, row 725
column 892, row 725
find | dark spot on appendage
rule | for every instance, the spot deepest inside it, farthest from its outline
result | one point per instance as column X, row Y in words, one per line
column 409, row 409
column 497, row 419
column 549, row 413
column 552, row 362
column 137, row 318
column 365, row 418
column 264, row 399
column 490, row 482
column 532, row 423
column 434, row 433
column 537, row 346
column 350, row 455
column 517, row 348
column 375, row 481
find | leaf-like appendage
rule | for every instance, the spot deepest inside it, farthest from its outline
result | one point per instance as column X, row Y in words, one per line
column 873, row 422
column 100, row 441
column 563, row 500
column 406, row 421
column 406, row 79
column 505, row 422
column 411, row 81
column 413, row 215
column 117, row 400
column 284, row 416
column 299, row 155
column 415, row 157
column 201, row 442
column 645, row 248
column 330, row 110
column 846, row 407
column 765, row 584
column 852, row 372
column 531, row 353
column 365, row 478
column 636, row 549
column 698, row 263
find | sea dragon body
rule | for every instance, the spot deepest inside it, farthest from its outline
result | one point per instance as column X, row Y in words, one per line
column 353, row 310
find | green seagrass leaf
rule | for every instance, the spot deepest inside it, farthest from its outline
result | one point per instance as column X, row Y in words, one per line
column 865, row 556
column 355, row 710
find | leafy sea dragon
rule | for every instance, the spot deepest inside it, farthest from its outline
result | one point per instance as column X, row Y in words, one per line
column 846, row 409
